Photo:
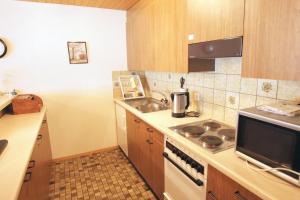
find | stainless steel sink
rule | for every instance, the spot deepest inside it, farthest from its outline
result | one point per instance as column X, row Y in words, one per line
column 147, row 105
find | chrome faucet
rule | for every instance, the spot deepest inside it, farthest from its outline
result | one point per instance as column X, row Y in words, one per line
column 164, row 100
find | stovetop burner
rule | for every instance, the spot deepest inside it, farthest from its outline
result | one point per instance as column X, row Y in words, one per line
column 211, row 125
column 210, row 141
column 227, row 134
column 210, row 134
column 192, row 131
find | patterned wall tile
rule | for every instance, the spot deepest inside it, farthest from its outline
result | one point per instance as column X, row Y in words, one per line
column 232, row 100
column 208, row 108
column 267, row 88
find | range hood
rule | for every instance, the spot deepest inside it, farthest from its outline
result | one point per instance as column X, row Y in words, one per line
column 202, row 55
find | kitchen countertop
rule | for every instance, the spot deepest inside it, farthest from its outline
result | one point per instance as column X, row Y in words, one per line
column 263, row 184
column 21, row 132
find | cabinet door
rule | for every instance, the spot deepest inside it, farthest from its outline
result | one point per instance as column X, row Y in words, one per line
column 170, row 36
column 145, row 143
column 271, row 39
column 215, row 19
column 221, row 187
column 140, row 50
column 44, row 157
column 157, row 164
column 133, row 124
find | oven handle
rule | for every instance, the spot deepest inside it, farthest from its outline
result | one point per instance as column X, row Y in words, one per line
column 196, row 181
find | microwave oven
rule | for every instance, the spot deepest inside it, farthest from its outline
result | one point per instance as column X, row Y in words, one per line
column 271, row 142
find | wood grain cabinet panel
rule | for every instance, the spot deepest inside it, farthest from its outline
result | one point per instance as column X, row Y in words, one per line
column 145, row 149
column 215, row 19
column 220, row 187
column 36, row 180
column 156, row 36
column 271, row 39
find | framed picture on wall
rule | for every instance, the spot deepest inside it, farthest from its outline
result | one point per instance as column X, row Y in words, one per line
column 77, row 53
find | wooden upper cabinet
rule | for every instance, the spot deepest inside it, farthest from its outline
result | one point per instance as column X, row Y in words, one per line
column 272, row 39
column 140, row 36
column 156, row 36
column 215, row 19
column 170, row 40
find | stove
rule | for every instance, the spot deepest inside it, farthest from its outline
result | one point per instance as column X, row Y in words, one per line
column 210, row 134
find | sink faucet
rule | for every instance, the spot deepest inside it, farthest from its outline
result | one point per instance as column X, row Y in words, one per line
column 164, row 100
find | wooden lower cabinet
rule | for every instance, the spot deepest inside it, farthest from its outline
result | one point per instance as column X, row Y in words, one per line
column 221, row 187
column 36, row 180
column 145, row 149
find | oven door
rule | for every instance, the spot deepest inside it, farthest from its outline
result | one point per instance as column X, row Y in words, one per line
column 179, row 186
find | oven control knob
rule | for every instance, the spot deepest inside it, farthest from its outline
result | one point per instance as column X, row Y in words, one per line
column 189, row 161
column 174, row 151
column 179, row 153
column 200, row 169
column 194, row 164
column 183, row 157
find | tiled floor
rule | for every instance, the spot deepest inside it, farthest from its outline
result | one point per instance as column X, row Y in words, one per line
column 104, row 176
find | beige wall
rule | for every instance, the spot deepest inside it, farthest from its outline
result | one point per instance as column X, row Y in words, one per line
column 78, row 97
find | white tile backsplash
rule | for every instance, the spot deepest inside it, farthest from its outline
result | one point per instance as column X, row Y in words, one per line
column 208, row 80
column 289, row 90
column 219, row 97
column 220, row 81
column 248, row 86
column 223, row 92
column 233, row 83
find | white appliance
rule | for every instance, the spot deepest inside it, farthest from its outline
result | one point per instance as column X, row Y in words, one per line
column 185, row 174
column 121, row 128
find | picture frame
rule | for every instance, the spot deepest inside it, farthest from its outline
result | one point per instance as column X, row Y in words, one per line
column 77, row 53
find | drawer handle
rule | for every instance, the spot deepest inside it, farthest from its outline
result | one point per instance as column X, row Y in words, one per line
column 211, row 195
column 39, row 137
column 137, row 121
column 150, row 130
column 27, row 176
column 149, row 142
column 31, row 164
column 238, row 195
column 44, row 121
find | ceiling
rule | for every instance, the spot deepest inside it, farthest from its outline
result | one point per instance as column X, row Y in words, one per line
column 111, row 4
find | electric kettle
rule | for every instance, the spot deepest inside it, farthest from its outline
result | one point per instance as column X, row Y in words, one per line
column 180, row 103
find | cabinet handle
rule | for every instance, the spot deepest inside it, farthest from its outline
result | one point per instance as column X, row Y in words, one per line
column 27, row 176
column 31, row 164
column 149, row 142
column 238, row 195
column 211, row 195
column 150, row 130
column 39, row 137
column 44, row 121
column 137, row 121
